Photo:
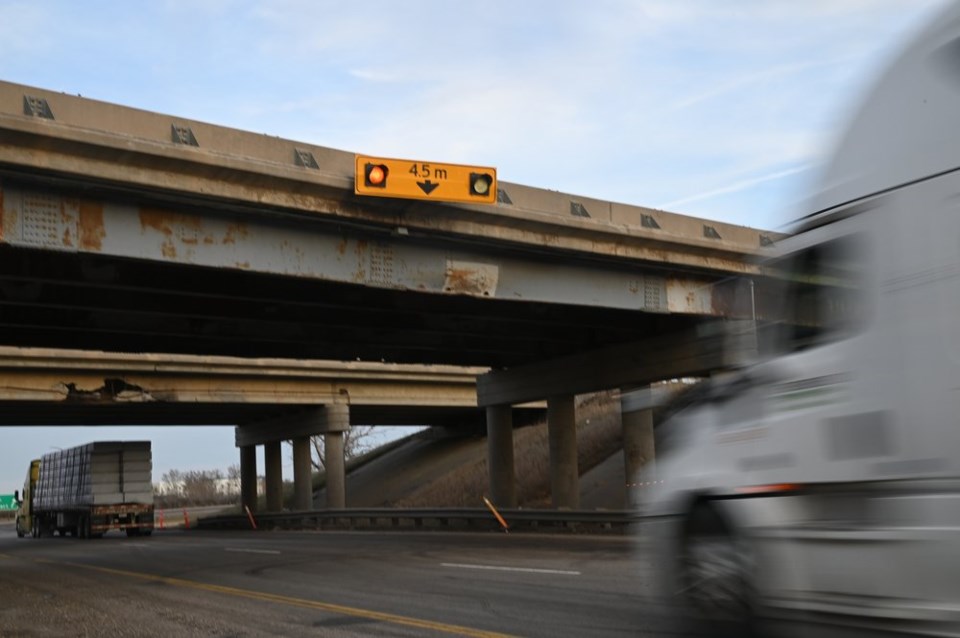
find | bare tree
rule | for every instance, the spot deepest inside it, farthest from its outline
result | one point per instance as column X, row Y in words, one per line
column 356, row 441
column 200, row 487
column 233, row 476
column 171, row 483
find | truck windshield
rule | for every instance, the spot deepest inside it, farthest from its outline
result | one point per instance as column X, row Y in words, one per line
column 823, row 293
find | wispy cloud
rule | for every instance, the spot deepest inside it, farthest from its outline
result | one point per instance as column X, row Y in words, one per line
column 739, row 82
column 735, row 187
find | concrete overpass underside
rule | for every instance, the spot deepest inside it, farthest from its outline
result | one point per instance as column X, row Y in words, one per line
column 267, row 401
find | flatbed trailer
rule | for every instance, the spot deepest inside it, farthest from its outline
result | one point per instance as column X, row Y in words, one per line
column 89, row 490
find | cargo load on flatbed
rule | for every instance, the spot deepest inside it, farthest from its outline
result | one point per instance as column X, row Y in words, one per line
column 88, row 490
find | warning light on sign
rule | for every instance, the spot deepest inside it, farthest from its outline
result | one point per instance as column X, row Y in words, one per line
column 375, row 175
column 480, row 184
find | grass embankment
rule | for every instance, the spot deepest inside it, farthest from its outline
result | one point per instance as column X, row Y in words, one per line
column 598, row 437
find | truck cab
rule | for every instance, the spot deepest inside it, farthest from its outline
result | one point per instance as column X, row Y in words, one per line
column 819, row 486
column 24, row 521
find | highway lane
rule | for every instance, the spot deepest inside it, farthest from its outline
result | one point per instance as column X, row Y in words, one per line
column 329, row 584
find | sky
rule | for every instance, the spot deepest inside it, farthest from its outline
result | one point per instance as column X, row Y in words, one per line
column 720, row 109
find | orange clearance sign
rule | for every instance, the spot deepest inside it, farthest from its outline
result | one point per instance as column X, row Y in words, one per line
column 416, row 179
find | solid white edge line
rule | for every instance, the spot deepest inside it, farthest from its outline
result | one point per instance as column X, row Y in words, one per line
column 530, row 570
column 250, row 551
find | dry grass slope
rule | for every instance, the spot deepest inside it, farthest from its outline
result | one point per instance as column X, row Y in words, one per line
column 598, row 437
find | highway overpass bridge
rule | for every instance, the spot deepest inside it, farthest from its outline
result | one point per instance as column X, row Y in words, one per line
column 261, row 397
column 129, row 231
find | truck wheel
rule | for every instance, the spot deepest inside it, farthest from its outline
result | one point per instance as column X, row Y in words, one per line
column 716, row 573
column 20, row 532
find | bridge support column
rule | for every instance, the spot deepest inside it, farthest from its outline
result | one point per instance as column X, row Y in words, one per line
column 562, row 435
column 500, row 455
column 638, row 451
column 336, row 470
column 302, row 483
column 273, row 462
column 248, row 477
column 331, row 421
column 335, row 420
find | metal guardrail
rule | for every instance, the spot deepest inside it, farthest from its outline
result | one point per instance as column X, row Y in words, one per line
column 466, row 519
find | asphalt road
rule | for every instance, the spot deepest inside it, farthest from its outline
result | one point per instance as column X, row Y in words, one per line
column 192, row 583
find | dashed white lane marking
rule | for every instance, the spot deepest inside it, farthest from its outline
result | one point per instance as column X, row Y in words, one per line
column 529, row 570
column 250, row 551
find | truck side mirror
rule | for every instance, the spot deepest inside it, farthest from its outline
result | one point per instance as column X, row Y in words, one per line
column 16, row 496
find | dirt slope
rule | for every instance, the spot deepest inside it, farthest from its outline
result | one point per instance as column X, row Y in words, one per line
column 434, row 469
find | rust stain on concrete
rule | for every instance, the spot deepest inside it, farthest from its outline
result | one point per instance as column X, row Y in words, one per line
column 166, row 221
column 159, row 220
column 65, row 217
column 177, row 229
column 721, row 301
column 460, row 280
column 470, row 278
column 90, row 226
column 234, row 231
column 360, row 249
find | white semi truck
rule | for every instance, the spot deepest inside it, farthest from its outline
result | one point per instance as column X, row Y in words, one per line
column 820, row 485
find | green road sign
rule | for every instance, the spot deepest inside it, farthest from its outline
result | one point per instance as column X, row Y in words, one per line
column 7, row 502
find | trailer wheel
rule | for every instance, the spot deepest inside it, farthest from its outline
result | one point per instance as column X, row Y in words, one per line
column 716, row 573
column 35, row 532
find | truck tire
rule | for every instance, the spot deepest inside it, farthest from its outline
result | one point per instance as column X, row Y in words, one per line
column 715, row 571
column 20, row 532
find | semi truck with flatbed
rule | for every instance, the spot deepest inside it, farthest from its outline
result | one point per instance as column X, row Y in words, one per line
column 88, row 490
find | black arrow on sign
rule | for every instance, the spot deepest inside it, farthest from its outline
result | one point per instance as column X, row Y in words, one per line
column 427, row 186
